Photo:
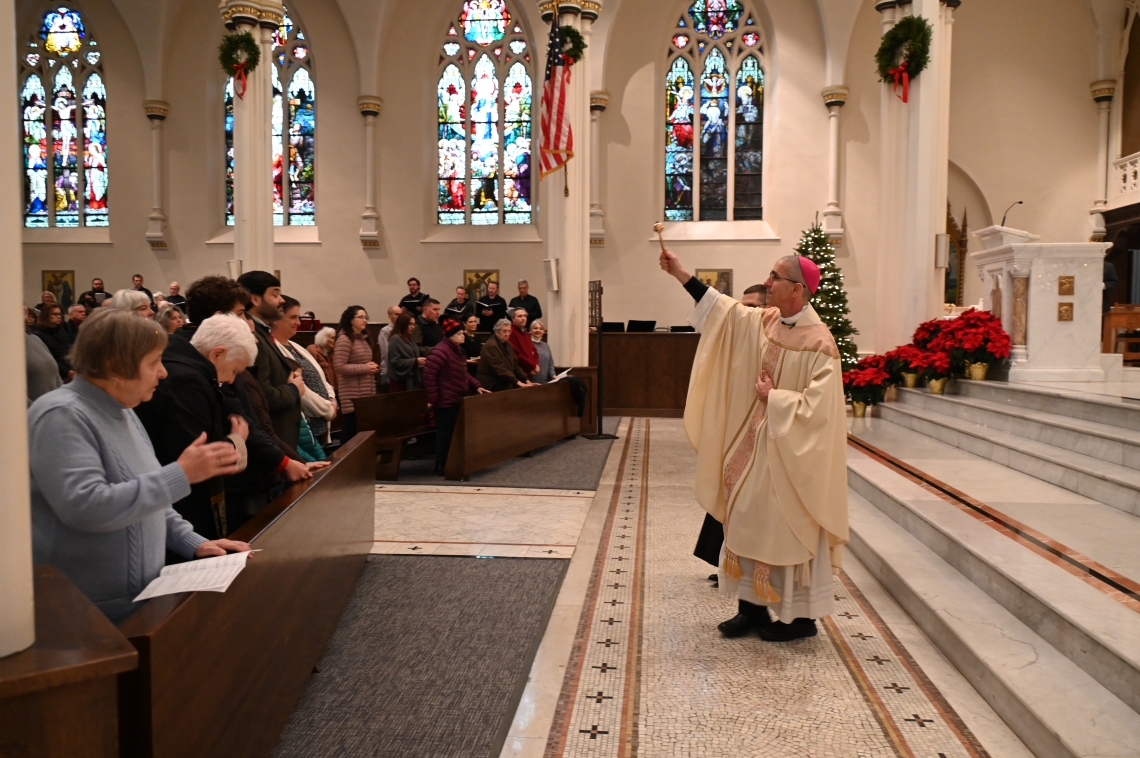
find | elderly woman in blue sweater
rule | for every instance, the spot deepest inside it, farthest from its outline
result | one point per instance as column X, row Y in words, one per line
column 101, row 502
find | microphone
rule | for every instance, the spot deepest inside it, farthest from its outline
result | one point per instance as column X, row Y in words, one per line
column 1010, row 208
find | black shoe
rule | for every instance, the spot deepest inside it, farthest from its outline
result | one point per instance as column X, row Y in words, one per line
column 778, row 631
column 714, row 577
column 749, row 618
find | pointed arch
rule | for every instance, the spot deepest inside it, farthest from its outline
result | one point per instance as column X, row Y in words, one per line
column 293, row 118
column 63, row 113
column 715, row 79
column 485, row 93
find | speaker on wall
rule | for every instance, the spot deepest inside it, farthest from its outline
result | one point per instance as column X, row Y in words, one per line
column 551, row 266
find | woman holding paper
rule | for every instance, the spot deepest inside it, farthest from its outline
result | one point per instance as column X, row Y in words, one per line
column 101, row 503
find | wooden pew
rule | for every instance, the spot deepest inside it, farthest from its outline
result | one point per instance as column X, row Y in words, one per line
column 219, row 673
column 497, row 427
column 57, row 698
column 396, row 419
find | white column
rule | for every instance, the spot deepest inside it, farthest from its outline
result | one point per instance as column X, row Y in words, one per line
column 156, row 111
column 370, row 107
column 568, row 217
column 253, row 147
column 598, row 103
column 928, row 145
column 17, row 612
column 834, row 98
column 1102, row 93
column 889, row 328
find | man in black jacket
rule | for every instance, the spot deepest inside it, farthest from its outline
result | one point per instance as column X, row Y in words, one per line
column 413, row 302
column 428, row 333
column 490, row 309
column 282, row 385
column 460, row 308
column 527, row 302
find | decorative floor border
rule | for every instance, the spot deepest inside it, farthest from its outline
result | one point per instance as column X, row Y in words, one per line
column 598, row 706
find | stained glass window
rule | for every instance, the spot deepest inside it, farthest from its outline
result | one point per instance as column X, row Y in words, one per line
column 679, row 143
column 721, row 79
column 63, row 113
column 484, row 21
column 749, row 139
column 715, row 17
column 714, row 139
column 293, row 115
column 484, row 127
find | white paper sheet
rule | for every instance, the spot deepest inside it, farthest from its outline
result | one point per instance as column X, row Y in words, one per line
column 563, row 375
column 203, row 575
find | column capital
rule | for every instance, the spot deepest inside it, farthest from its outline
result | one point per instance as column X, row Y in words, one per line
column 1103, row 91
column 369, row 105
column 156, row 110
column 266, row 13
column 952, row 3
column 599, row 101
column 835, row 96
column 885, row 5
column 587, row 9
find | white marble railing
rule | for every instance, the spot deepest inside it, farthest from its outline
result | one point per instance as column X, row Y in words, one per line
column 1125, row 183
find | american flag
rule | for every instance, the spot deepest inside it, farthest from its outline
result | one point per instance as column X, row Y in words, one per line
column 557, row 139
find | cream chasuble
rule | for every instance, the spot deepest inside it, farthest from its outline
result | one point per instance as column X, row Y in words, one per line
column 775, row 473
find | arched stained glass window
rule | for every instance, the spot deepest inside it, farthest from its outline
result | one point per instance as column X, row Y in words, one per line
column 63, row 109
column 719, row 45
column 294, row 125
column 484, row 126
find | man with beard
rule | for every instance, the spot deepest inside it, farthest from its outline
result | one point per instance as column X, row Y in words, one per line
column 281, row 384
column 490, row 309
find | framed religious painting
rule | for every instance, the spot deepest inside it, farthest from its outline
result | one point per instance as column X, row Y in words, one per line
column 476, row 281
column 720, row 279
column 61, row 284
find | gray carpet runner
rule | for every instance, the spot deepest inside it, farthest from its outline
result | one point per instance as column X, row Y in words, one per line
column 429, row 660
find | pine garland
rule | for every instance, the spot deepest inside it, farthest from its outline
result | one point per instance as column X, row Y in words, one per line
column 830, row 300
column 573, row 43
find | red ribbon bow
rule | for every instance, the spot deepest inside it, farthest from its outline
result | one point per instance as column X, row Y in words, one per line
column 239, row 79
column 900, row 74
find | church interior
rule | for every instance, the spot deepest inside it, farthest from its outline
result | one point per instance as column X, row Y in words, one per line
column 952, row 187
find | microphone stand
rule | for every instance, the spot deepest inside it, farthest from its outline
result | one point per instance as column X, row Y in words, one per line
column 601, row 433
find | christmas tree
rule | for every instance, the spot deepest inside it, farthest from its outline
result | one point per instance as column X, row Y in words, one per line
column 830, row 301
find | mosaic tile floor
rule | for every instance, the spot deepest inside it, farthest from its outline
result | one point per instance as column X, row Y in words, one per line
column 650, row 676
column 489, row 521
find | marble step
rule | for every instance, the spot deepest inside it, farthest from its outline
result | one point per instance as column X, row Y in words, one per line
column 1053, row 706
column 1100, row 409
column 1095, row 631
column 1112, row 444
column 1094, row 478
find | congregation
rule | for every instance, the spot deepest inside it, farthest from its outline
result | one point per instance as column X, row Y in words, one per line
column 159, row 424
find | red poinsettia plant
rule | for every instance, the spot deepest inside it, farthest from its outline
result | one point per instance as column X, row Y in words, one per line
column 905, row 359
column 866, row 384
column 927, row 332
column 938, row 365
column 974, row 337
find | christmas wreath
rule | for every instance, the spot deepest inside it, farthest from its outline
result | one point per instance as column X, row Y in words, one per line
column 573, row 45
column 239, row 55
column 904, row 53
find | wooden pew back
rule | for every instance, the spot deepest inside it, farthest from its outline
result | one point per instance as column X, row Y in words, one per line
column 497, row 427
column 394, row 415
column 219, row 673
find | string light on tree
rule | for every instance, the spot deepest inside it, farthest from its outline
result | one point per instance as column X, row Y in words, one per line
column 830, row 301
